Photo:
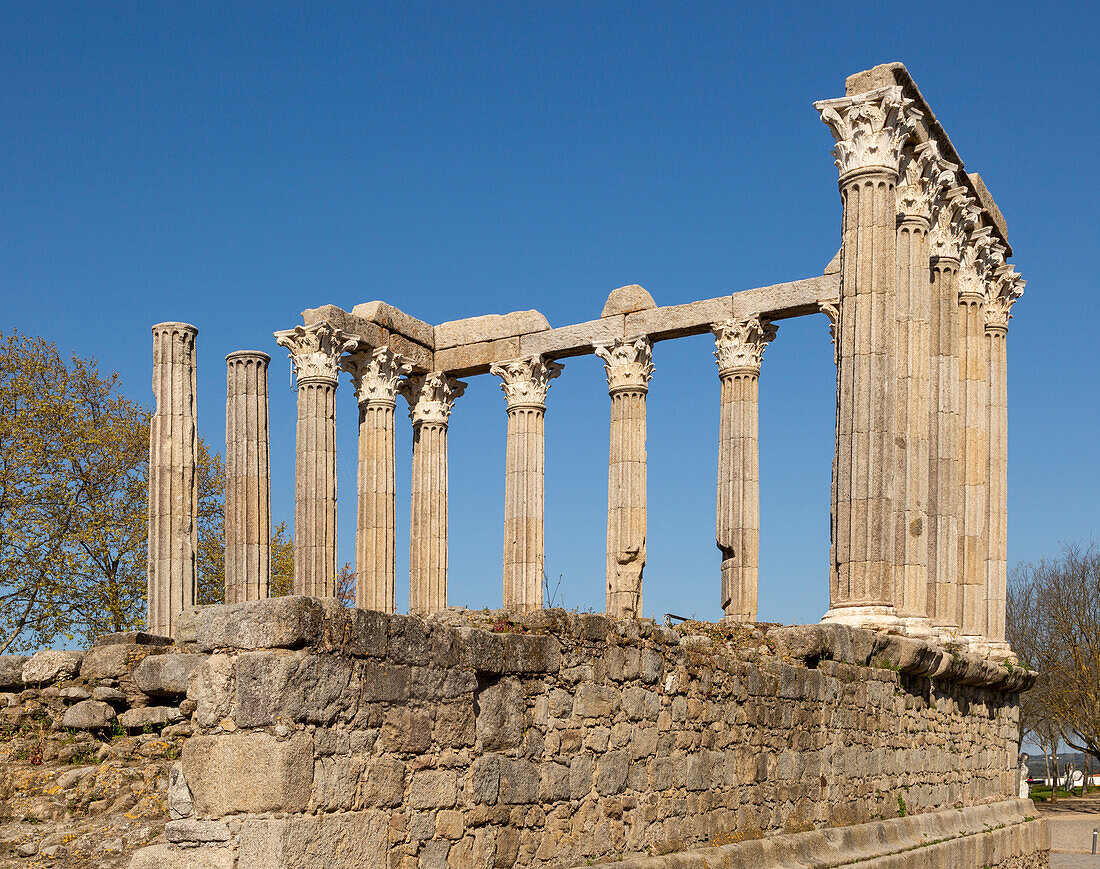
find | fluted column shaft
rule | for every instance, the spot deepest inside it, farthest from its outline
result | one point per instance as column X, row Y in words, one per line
column 944, row 468
column 740, row 348
column 315, row 351
column 375, row 376
column 914, row 387
column 173, row 479
column 525, row 385
column 431, row 398
column 974, row 423
column 997, row 523
column 247, row 478
column 629, row 366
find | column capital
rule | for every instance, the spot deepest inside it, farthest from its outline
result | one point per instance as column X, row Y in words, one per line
column 741, row 343
column 1005, row 289
column 628, row 363
column 870, row 128
column 831, row 309
column 924, row 175
column 431, row 397
column 375, row 374
column 955, row 213
column 525, row 382
column 316, row 350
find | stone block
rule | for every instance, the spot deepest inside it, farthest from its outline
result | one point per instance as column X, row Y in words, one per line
column 389, row 317
column 530, row 653
column 338, row 841
column 196, row 831
column 149, row 716
column 180, row 802
column 175, row 857
column 113, row 661
column 384, row 683
column 11, row 672
column 490, row 327
column 595, row 701
column 676, row 321
column 50, row 665
column 575, row 340
column 470, row 359
column 88, row 715
column 481, row 650
column 626, row 300
column 211, row 688
column 186, row 629
column 275, row 623
column 138, row 638
column 500, row 717
column 611, row 772
column 382, row 785
column 299, row 686
column 790, row 299
column 166, row 675
column 248, row 772
column 433, row 789
column 519, row 781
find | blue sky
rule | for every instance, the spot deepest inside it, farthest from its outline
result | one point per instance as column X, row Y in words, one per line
column 230, row 165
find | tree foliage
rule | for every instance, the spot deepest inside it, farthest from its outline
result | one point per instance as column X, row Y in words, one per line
column 74, row 461
column 1053, row 624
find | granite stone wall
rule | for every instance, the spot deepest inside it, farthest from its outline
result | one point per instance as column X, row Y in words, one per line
column 331, row 737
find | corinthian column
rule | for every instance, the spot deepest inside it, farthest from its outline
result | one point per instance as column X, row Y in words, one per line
column 247, row 478
column 315, row 351
column 629, row 366
column 173, row 484
column 375, row 375
column 1006, row 290
column 525, row 384
column 740, row 349
column 431, row 398
column 870, row 130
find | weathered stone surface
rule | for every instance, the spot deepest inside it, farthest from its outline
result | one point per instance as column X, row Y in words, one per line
column 289, row 686
column 166, row 675
column 11, row 672
column 50, row 665
column 281, row 622
column 140, row 638
column 108, row 695
column 389, row 317
column 530, row 653
column 466, row 360
column 248, row 772
column 490, row 327
column 196, row 831
column 114, row 660
column 323, row 842
column 175, row 857
column 180, row 802
column 627, row 300
column 500, row 717
column 88, row 715
column 575, row 340
column 149, row 716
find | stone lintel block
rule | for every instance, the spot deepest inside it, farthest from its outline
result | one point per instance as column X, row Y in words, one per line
column 530, row 653
column 394, row 320
column 676, row 321
column 468, row 360
column 371, row 334
column 489, row 327
column 248, row 772
column 353, row 631
column 278, row 622
column 575, row 340
column 627, row 300
column 480, row 650
column 176, row 857
column 791, row 299
column 140, row 638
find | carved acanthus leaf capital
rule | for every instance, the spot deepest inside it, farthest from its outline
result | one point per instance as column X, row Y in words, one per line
column 1005, row 290
column 375, row 374
column 925, row 175
column 525, row 382
column 316, row 350
column 831, row 309
column 431, row 397
column 740, row 344
column 870, row 128
column 628, row 363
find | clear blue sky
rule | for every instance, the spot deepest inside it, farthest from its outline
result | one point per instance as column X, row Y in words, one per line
column 229, row 166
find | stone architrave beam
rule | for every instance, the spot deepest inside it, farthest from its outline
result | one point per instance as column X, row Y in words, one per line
column 740, row 349
column 315, row 351
column 173, row 479
column 629, row 366
column 525, row 383
column 247, row 478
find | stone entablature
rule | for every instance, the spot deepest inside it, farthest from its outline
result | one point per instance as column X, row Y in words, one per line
column 559, row 738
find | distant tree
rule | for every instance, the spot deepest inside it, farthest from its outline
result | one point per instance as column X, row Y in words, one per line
column 1054, row 627
column 282, row 562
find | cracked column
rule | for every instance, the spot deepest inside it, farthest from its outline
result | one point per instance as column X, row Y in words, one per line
column 173, row 481
column 870, row 130
column 525, row 384
column 952, row 215
column 1007, row 288
column 740, row 348
column 431, row 398
column 375, row 376
column 924, row 173
column 315, row 351
column 629, row 366
column 247, row 478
